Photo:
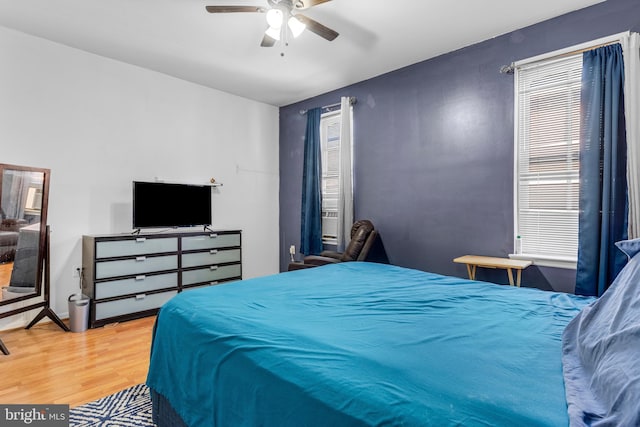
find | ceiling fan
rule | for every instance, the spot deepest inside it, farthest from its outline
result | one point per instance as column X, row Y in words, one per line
column 279, row 13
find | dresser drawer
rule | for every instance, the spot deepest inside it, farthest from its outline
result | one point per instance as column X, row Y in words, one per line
column 135, row 266
column 210, row 274
column 213, row 256
column 206, row 285
column 211, row 241
column 135, row 246
column 142, row 302
column 135, row 285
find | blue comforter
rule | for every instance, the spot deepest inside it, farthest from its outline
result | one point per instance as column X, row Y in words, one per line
column 363, row 344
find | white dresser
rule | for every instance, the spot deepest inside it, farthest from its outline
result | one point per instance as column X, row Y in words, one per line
column 131, row 276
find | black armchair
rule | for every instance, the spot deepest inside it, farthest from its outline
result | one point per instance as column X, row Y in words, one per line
column 9, row 229
column 363, row 235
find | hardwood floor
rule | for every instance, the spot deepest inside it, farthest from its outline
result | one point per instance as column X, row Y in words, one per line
column 48, row 365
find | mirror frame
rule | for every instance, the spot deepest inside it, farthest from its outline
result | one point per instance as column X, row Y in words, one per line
column 42, row 232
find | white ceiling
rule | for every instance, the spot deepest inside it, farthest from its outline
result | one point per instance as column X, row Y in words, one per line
column 222, row 51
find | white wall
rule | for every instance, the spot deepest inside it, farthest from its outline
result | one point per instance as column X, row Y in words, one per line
column 99, row 124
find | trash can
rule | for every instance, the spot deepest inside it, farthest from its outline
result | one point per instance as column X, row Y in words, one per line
column 78, row 312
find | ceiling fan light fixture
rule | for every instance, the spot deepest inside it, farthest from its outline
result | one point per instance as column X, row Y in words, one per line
column 284, row 23
column 274, row 33
column 295, row 26
column 275, row 18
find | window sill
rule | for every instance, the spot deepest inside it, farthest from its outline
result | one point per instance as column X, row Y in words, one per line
column 547, row 261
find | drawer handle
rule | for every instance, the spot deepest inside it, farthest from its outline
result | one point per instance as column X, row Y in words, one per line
column 213, row 283
column 213, row 235
column 140, row 239
column 213, row 267
column 141, row 258
column 141, row 277
column 213, row 251
column 140, row 297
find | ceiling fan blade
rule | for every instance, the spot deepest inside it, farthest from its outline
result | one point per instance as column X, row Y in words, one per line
column 318, row 28
column 306, row 4
column 267, row 41
column 232, row 9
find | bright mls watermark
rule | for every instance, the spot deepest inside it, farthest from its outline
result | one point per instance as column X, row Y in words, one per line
column 34, row 415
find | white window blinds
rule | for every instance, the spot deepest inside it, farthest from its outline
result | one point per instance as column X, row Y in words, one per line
column 548, row 157
column 330, row 155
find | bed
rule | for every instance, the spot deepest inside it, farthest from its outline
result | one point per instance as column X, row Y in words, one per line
column 362, row 344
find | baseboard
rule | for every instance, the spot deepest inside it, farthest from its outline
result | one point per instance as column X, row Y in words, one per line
column 14, row 322
column 22, row 320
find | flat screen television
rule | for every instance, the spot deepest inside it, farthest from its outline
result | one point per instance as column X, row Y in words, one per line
column 159, row 204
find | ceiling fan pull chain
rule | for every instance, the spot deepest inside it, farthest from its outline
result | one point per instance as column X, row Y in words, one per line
column 285, row 39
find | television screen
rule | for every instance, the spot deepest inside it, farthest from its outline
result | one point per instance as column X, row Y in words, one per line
column 159, row 204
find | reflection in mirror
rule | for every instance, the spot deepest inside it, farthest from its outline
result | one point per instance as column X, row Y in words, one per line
column 21, row 202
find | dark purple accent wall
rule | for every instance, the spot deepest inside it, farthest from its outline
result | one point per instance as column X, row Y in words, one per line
column 434, row 152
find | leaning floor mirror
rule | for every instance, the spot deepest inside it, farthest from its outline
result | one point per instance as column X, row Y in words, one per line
column 24, row 258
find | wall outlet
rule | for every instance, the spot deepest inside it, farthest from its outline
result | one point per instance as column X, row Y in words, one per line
column 75, row 274
column 292, row 249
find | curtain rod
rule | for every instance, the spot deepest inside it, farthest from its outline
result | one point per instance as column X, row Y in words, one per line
column 509, row 69
column 562, row 53
column 352, row 101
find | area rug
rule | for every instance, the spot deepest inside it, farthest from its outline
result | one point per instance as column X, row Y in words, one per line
column 129, row 407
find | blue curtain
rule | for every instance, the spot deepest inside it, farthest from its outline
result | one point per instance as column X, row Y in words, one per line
column 603, row 184
column 311, row 224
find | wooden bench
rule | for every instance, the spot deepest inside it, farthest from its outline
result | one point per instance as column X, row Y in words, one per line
column 474, row 261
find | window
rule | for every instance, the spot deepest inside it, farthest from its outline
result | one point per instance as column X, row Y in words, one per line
column 548, row 160
column 330, row 160
column 33, row 205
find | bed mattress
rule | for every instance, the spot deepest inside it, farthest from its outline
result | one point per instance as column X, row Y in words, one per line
column 363, row 344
